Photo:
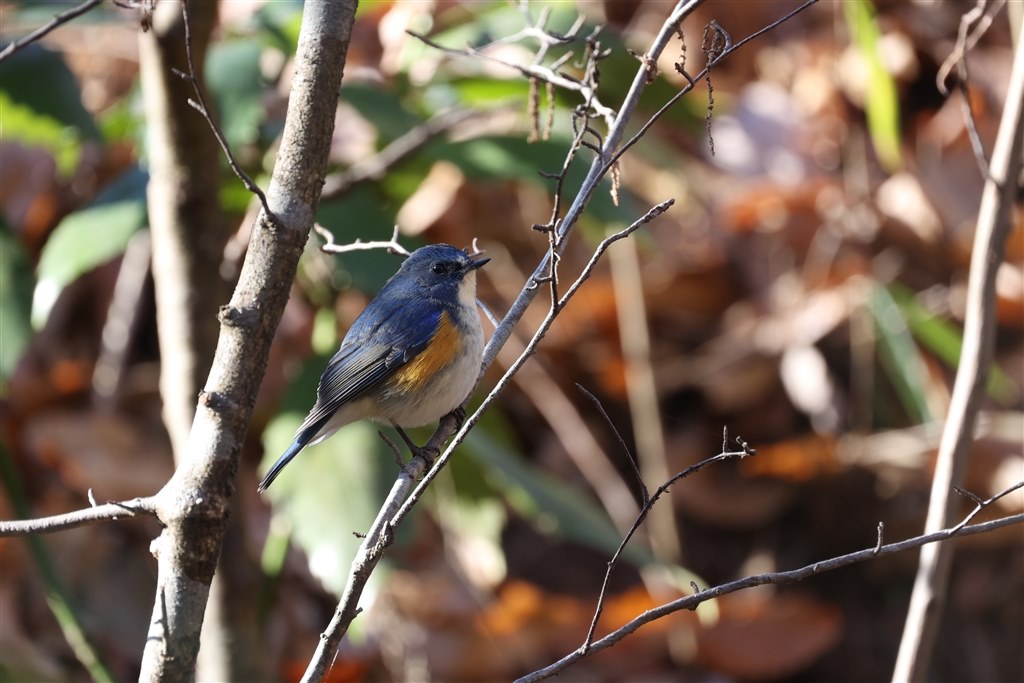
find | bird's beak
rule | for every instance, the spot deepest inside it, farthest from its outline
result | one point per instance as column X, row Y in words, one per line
column 473, row 265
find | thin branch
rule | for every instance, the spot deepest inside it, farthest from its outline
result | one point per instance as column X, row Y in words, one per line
column 330, row 247
column 724, row 455
column 691, row 602
column 58, row 20
column 693, row 80
column 69, row 520
column 594, row 176
column 965, row 41
column 994, row 224
column 980, row 504
column 586, row 87
column 645, row 495
column 370, row 551
column 199, row 104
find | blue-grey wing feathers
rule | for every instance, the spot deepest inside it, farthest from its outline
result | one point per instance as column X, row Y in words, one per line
column 383, row 338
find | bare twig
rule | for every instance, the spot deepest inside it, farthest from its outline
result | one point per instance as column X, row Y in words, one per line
column 645, row 495
column 980, row 504
column 693, row 80
column 994, row 222
column 199, row 104
column 536, row 70
column 58, row 20
column 330, row 247
column 966, row 40
column 691, row 602
column 369, row 553
column 724, row 455
column 70, row 520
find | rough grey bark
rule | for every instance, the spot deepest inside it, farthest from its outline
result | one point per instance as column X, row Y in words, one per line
column 194, row 504
column 189, row 233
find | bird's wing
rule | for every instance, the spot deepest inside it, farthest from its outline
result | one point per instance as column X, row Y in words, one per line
column 383, row 338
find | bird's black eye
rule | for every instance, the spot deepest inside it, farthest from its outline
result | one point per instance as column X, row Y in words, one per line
column 440, row 267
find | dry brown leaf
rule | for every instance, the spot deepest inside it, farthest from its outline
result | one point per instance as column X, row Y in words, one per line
column 762, row 636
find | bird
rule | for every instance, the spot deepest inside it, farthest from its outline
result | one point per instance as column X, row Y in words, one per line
column 411, row 357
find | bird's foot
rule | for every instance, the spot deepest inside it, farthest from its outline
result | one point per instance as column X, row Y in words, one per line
column 460, row 416
column 426, row 452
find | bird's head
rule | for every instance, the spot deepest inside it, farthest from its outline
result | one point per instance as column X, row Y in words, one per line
column 443, row 270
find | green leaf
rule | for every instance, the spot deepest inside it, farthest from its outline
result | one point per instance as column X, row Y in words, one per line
column 88, row 238
column 16, row 283
column 551, row 506
column 473, row 527
column 899, row 356
column 32, row 129
column 281, row 21
column 882, row 102
column 234, row 80
column 945, row 340
column 329, row 490
column 39, row 80
column 382, row 107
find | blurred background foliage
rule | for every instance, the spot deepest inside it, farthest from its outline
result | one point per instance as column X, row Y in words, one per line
column 805, row 291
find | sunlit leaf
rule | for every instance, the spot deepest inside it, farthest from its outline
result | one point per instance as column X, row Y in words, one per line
column 281, row 21
column 882, row 105
column 381, row 107
column 331, row 490
column 234, row 80
column 32, row 129
column 945, row 340
column 88, row 238
column 899, row 356
column 26, row 73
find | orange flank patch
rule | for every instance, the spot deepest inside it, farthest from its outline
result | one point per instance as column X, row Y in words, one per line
column 439, row 352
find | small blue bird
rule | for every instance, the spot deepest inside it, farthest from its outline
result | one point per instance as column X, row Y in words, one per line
column 411, row 357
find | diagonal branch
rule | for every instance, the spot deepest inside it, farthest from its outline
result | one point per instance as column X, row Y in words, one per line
column 58, row 20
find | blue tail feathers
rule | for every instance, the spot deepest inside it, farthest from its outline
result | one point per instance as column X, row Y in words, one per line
column 301, row 439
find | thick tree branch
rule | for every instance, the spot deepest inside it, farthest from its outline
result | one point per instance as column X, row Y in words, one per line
column 189, row 233
column 194, row 504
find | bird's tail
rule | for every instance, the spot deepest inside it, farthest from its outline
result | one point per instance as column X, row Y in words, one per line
column 300, row 442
